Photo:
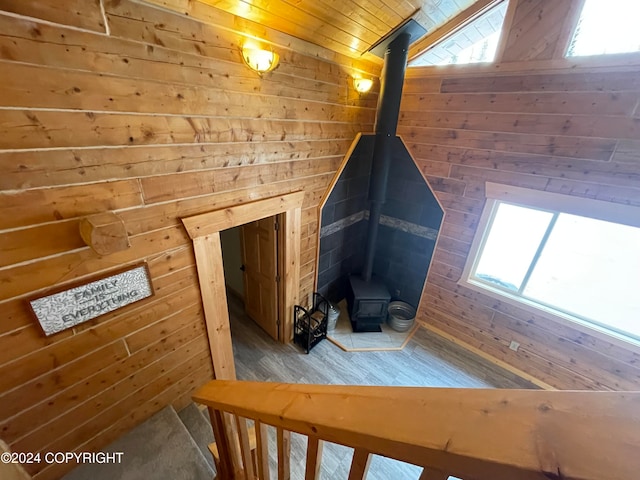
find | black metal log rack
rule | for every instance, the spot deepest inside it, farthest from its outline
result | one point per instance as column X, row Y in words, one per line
column 310, row 326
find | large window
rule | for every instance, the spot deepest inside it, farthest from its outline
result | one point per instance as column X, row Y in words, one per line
column 474, row 43
column 565, row 258
column 606, row 26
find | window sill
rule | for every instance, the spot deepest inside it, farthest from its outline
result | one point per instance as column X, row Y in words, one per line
column 617, row 62
column 588, row 328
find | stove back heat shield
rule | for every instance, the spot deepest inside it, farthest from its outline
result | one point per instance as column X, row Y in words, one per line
column 367, row 298
column 386, row 127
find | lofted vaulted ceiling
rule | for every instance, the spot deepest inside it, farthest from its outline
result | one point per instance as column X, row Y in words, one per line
column 349, row 27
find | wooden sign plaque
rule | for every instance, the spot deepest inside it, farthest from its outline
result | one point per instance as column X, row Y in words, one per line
column 72, row 306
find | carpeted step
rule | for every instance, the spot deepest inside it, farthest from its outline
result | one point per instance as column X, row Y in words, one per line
column 200, row 429
column 161, row 448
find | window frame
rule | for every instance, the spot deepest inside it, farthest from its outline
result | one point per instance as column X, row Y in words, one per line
column 446, row 36
column 555, row 203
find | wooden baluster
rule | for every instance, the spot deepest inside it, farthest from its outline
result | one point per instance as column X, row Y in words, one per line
column 284, row 453
column 234, row 443
column 245, row 448
column 314, row 458
column 360, row 464
column 224, row 465
column 432, row 474
column 262, row 447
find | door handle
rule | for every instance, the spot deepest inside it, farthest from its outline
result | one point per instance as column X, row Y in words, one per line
column 243, row 268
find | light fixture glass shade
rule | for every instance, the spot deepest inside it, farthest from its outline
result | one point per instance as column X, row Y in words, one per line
column 260, row 60
column 362, row 85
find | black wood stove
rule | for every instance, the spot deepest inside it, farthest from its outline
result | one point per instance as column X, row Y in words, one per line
column 368, row 303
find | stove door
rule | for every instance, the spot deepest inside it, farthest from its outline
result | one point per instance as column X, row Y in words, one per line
column 371, row 309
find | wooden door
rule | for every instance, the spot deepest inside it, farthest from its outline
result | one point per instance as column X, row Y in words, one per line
column 260, row 261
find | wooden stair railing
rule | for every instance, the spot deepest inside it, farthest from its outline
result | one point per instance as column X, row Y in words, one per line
column 473, row 434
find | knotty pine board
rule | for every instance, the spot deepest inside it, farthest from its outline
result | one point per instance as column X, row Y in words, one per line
column 446, row 271
column 578, row 103
column 34, row 129
column 183, row 185
column 448, row 185
column 628, row 151
column 558, row 125
column 569, row 82
column 561, row 146
column 161, row 215
column 69, row 89
column 19, row 208
column 42, row 240
column 616, row 172
column 84, row 14
column 536, row 29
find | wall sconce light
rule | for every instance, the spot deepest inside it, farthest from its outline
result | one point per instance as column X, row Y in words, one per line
column 260, row 60
column 362, row 85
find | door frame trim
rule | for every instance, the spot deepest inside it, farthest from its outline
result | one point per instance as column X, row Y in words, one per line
column 204, row 230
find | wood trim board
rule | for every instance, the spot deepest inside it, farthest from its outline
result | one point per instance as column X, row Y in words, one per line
column 486, row 356
column 569, row 29
column 217, row 220
column 204, row 229
column 506, row 29
column 325, row 197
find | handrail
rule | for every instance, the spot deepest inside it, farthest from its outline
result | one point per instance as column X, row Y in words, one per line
column 469, row 433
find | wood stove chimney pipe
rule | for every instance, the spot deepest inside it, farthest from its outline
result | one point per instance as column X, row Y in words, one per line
column 386, row 125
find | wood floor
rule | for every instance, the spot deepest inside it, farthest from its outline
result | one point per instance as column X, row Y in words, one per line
column 427, row 360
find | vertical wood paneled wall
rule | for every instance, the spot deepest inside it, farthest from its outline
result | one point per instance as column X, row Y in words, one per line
column 571, row 130
column 151, row 114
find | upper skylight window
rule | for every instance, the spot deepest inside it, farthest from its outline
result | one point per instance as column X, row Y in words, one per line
column 606, row 26
column 476, row 42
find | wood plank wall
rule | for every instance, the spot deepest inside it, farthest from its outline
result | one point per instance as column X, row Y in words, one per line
column 561, row 126
column 153, row 115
